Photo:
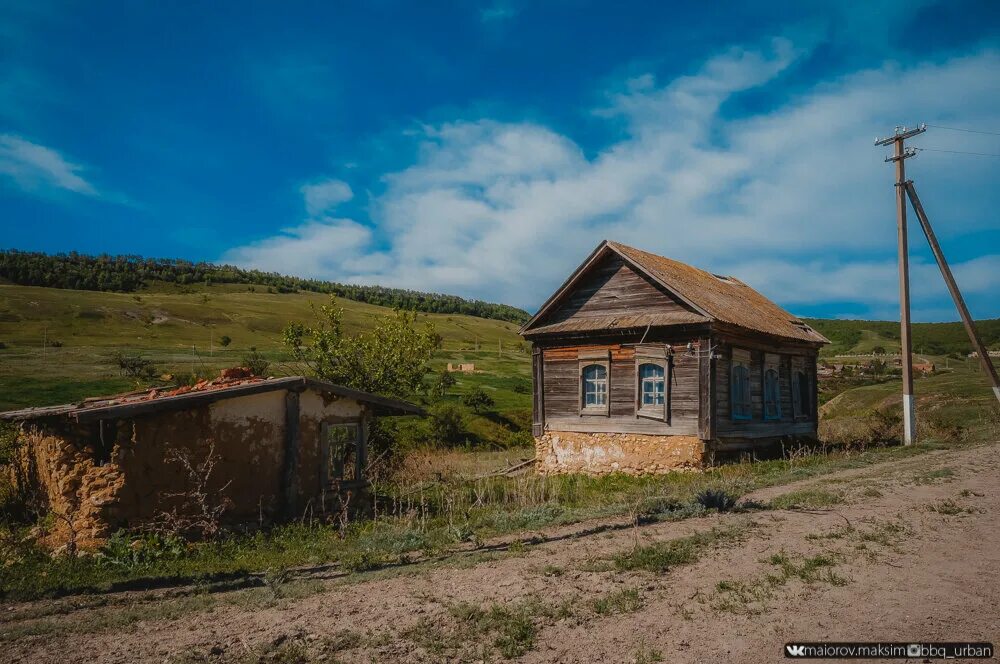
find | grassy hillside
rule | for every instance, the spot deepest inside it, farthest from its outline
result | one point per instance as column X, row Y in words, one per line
column 861, row 336
column 59, row 342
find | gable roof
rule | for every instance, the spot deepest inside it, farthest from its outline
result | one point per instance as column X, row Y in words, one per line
column 166, row 399
column 712, row 297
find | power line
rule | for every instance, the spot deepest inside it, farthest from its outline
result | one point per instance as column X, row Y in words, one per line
column 971, row 131
column 978, row 154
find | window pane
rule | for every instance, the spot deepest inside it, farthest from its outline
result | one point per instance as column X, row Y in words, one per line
column 595, row 385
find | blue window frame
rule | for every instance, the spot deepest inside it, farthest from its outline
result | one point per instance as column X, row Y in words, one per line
column 772, row 395
column 739, row 392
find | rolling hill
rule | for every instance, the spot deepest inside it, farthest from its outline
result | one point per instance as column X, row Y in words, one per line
column 57, row 343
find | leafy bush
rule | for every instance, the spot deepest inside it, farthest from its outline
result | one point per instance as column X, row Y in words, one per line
column 447, row 423
column 225, row 340
column 128, row 550
column 444, row 382
column 478, row 400
column 133, row 365
column 256, row 363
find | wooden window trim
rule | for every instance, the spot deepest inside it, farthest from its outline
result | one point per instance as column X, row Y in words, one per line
column 740, row 357
column 661, row 358
column 586, row 359
column 798, row 365
column 359, row 452
column 772, row 362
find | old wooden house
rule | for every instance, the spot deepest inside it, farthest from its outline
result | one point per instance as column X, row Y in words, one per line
column 271, row 448
column 645, row 364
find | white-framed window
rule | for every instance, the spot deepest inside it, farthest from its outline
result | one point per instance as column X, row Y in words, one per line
column 651, row 385
column 595, row 386
column 739, row 385
column 772, row 387
column 595, row 382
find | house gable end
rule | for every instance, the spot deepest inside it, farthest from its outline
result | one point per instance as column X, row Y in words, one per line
column 612, row 289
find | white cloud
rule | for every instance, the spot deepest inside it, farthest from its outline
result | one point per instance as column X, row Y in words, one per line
column 38, row 169
column 315, row 249
column 324, row 195
column 795, row 200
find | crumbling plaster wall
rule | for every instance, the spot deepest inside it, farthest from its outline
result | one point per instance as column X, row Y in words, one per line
column 81, row 494
column 138, row 480
column 604, row 453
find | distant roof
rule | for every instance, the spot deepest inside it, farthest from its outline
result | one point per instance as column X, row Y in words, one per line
column 177, row 398
column 712, row 297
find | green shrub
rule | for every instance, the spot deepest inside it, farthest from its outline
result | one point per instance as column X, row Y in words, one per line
column 478, row 400
column 716, row 499
column 124, row 549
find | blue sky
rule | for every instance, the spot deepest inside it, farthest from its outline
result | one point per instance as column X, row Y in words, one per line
column 485, row 149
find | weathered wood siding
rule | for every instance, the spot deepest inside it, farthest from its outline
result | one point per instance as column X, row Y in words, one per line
column 757, row 426
column 614, row 288
column 561, row 365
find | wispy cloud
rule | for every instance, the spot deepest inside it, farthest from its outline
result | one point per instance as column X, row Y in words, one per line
column 324, row 195
column 794, row 199
column 39, row 169
column 498, row 12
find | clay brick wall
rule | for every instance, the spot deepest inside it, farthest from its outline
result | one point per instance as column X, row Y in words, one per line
column 604, row 453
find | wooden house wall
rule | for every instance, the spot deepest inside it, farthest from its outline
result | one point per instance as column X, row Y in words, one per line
column 561, row 379
column 757, row 426
column 614, row 288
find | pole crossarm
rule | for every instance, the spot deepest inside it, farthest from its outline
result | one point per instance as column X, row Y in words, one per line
column 902, row 133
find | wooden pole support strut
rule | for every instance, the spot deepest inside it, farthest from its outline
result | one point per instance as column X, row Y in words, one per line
column 956, row 295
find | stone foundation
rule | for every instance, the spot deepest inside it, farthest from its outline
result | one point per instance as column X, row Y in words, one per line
column 605, row 453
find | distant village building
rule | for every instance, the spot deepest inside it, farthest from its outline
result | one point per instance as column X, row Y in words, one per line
column 462, row 368
column 281, row 445
column 645, row 364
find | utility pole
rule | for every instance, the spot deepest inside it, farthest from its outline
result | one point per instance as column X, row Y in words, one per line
column 900, row 154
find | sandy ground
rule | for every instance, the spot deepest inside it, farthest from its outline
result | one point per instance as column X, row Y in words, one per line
column 911, row 553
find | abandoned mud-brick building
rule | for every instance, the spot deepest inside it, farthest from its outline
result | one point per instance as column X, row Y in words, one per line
column 644, row 364
column 279, row 446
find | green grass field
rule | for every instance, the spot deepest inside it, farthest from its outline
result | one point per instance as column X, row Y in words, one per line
column 181, row 332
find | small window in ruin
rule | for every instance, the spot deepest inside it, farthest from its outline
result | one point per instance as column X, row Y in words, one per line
column 340, row 446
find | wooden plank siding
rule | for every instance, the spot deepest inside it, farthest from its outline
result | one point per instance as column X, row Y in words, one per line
column 757, row 426
column 561, row 388
column 614, row 288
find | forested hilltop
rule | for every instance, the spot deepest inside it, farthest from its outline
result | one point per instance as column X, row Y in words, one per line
column 132, row 273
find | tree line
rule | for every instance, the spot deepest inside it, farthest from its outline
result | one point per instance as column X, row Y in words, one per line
column 128, row 273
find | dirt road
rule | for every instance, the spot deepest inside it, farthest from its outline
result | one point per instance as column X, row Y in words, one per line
column 909, row 551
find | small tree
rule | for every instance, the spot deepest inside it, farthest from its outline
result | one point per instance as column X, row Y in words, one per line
column 133, row 365
column 442, row 384
column 478, row 400
column 225, row 340
column 390, row 358
column 447, row 423
column 878, row 350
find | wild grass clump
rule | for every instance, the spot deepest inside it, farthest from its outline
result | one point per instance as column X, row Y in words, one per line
column 626, row 600
column 662, row 556
column 806, row 499
column 716, row 499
